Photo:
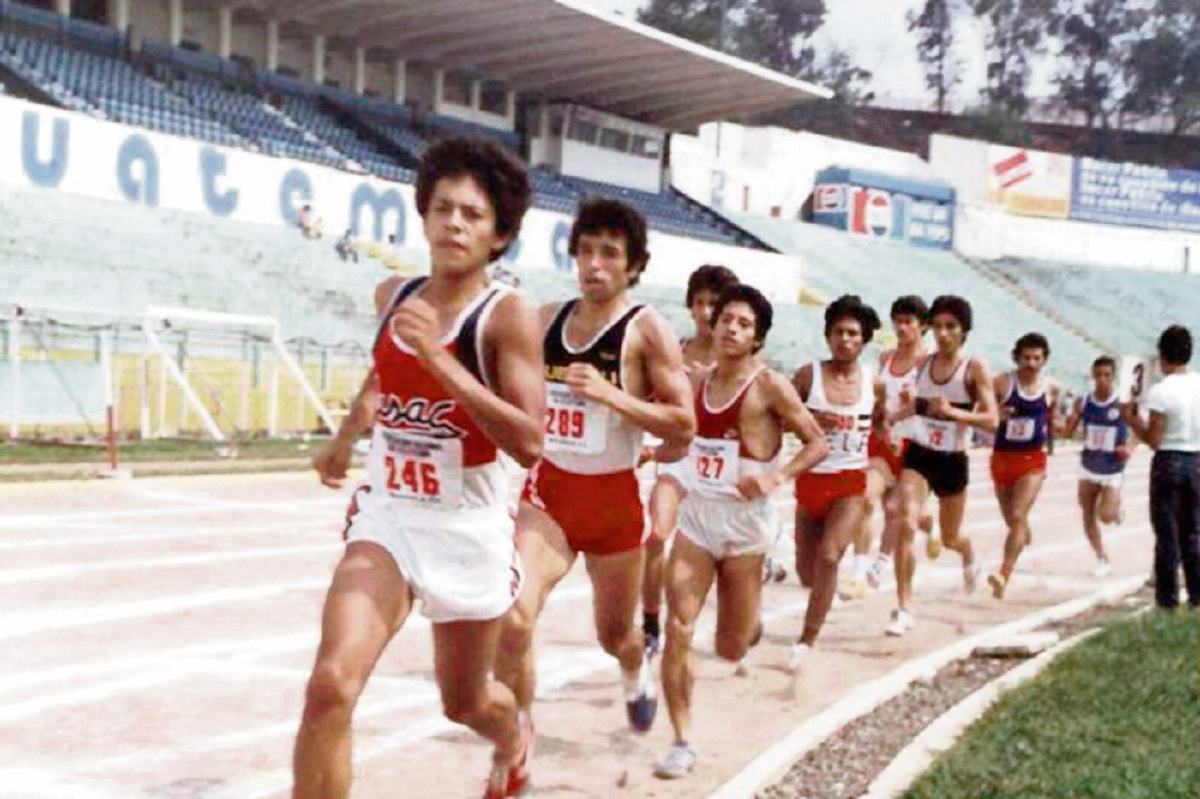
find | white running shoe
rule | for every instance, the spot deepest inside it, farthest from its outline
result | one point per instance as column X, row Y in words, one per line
column 971, row 577
column 877, row 571
column 902, row 622
column 678, row 763
column 796, row 658
column 1102, row 570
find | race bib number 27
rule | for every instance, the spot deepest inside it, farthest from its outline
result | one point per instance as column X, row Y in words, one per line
column 714, row 462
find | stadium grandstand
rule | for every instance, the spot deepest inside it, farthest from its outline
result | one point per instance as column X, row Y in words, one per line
column 199, row 201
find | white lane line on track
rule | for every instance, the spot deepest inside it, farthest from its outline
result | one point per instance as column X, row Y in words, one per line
column 242, row 648
column 158, row 668
column 39, row 539
column 584, row 666
column 292, row 506
column 198, row 559
column 557, row 667
column 13, row 626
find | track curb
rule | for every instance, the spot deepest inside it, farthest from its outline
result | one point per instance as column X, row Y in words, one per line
column 773, row 763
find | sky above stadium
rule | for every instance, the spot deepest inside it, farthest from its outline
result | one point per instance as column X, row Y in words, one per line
column 876, row 34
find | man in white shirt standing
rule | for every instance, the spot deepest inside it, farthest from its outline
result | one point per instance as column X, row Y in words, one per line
column 1173, row 432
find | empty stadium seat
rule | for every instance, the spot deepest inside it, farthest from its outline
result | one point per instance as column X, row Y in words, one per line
column 835, row 262
column 1124, row 308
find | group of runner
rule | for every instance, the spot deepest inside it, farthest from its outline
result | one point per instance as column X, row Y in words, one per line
column 465, row 369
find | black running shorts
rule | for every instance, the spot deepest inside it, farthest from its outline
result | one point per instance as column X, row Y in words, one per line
column 946, row 472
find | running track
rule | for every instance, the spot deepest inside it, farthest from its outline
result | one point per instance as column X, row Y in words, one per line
column 155, row 637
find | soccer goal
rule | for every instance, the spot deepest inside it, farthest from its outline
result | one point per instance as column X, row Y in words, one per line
column 165, row 372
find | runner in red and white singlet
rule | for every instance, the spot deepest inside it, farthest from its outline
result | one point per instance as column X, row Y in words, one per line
column 613, row 371
column 699, row 357
column 898, row 373
column 845, row 399
column 456, row 379
column 728, row 519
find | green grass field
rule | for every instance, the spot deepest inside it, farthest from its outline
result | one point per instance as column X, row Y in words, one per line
column 1117, row 716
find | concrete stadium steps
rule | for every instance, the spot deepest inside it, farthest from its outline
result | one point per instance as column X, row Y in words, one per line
column 835, row 263
column 1126, row 307
column 64, row 249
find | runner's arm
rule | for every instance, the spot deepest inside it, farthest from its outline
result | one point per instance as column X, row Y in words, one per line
column 365, row 405
column 1071, row 424
column 671, row 416
column 879, row 412
column 514, row 415
column 786, row 405
column 984, row 414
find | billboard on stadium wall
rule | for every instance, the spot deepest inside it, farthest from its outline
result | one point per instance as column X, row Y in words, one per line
column 920, row 213
column 1135, row 195
column 1029, row 182
column 51, row 149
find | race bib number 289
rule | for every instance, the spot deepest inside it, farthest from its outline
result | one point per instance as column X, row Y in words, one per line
column 574, row 424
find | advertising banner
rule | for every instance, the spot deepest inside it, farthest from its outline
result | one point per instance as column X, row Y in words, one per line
column 882, row 206
column 1029, row 182
column 1135, row 195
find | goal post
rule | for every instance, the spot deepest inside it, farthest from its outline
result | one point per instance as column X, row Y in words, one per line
column 88, row 373
column 266, row 327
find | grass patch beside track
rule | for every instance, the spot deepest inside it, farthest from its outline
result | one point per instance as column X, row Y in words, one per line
column 1117, row 716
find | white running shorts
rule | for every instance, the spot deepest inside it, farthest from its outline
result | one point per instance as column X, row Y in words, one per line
column 1116, row 481
column 729, row 528
column 462, row 565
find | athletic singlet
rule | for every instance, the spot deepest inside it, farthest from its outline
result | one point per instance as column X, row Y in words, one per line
column 1103, row 431
column 893, row 385
column 847, row 427
column 717, row 456
column 426, row 451
column 694, row 365
column 1028, row 427
column 582, row 436
column 937, row 433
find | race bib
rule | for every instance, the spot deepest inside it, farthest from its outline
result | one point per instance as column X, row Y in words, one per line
column 1100, row 438
column 574, row 424
column 1020, row 429
column 420, row 469
column 848, row 442
column 714, row 463
column 941, row 435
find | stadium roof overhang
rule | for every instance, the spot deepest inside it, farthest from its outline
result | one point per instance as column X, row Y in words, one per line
column 559, row 50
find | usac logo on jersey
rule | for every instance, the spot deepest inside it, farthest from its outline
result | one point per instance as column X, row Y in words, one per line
column 421, row 415
column 1113, row 414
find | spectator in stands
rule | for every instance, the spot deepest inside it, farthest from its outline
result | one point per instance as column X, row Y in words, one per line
column 1173, row 432
column 345, row 246
column 309, row 223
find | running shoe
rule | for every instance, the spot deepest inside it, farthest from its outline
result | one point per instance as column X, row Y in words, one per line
column 855, row 588
column 641, row 703
column 999, row 583
column 902, row 622
column 933, row 545
column 1102, row 570
column 797, row 657
column 508, row 782
column 678, row 763
column 971, row 576
column 878, row 570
